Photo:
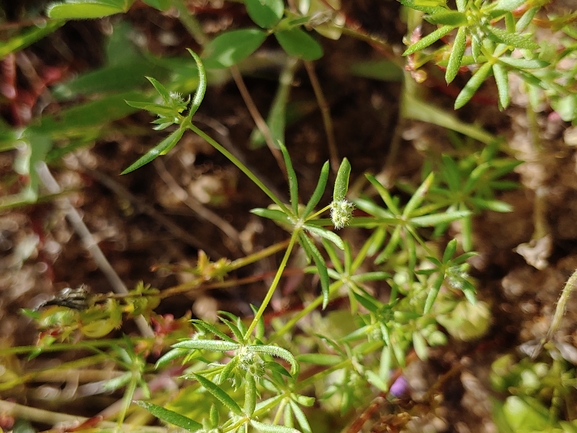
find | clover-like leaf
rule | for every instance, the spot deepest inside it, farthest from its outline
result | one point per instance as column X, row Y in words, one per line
column 229, row 48
column 265, row 13
column 298, row 43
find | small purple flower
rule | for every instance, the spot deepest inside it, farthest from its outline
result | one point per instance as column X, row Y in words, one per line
column 400, row 388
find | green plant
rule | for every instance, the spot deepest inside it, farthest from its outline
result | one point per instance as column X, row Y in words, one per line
column 404, row 281
column 495, row 39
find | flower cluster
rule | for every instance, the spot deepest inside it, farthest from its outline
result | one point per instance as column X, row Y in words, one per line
column 341, row 213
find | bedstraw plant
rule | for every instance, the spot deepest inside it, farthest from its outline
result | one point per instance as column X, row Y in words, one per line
column 407, row 283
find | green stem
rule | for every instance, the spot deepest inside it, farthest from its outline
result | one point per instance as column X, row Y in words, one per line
column 562, row 305
column 569, row 287
column 128, row 394
column 273, row 286
column 190, row 23
column 65, row 346
column 241, row 167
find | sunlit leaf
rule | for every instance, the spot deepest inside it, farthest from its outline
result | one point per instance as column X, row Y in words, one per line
column 265, row 13
column 85, row 9
column 298, row 43
column 231, row 47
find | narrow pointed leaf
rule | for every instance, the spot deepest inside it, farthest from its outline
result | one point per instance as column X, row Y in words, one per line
column 273, row 214
column 234, row 329
column 270, row 428
column 389, row 202
column 292, row 179
column 342, row 181
column 221, row 346
column 440, row 218
column 250, row 393
column 433, row 292
column 160, row 149
column 205, row 326
column 170, row 416
column 526, row 19
column 430, row 7
column 451, row 18
column 508, row 5
column 201, row 89
column 524, row 63
column 502, row 81
column 450, row 250
column 301, row 417
column 327, row 234
column 428, row 40
column 320, row 358
column 87, row 9
column 280, row 353
column 162, row 91
column 319, row 190
column 419, row 195
column 472, row 85
column 456, row 56
column 512, row 39
column 170, row 356
column 219, row 393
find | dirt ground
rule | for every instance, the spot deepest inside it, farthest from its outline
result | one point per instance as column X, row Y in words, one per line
column 525, row 256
